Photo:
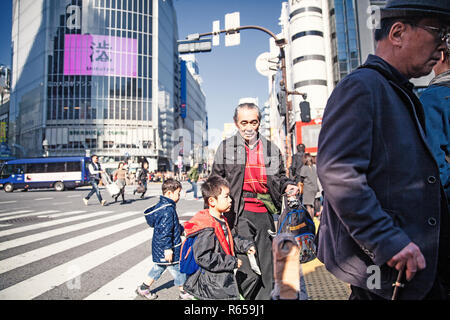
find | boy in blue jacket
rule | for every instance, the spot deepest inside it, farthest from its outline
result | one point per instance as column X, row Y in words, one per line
column 166, row 243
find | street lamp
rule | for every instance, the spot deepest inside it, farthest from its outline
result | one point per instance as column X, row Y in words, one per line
column 45, row 146
column 281, row 43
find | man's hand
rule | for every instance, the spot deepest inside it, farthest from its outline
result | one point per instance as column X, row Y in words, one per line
column 239, row 263
column 292, row 190
column 411, row 257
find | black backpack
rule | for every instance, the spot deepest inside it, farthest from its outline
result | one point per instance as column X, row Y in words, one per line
column 295, row 220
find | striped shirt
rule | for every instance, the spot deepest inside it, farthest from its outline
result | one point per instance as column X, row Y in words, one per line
column 255, row 178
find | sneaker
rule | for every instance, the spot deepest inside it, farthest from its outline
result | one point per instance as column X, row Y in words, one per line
column 85, row 201
column 185, row 296
column 103, row 202
column 146, row 293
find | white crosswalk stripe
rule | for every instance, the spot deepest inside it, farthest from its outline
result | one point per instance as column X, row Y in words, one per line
column 9, row 213
column 25, row 213
column 43, row 252
column 29, row 269
column 39, row 284
column 44, row 235
column 49, row 224
column 124, row 286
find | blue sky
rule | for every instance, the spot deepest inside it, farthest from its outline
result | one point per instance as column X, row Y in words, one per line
column 228, row 73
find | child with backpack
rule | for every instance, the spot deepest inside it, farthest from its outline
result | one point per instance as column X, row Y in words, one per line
column 213, row 246
column 166, row 243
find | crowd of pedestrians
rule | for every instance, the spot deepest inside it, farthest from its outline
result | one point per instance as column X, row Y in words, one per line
column 380, row 182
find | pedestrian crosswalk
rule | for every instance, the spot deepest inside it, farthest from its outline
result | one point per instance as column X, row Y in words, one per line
column 59, row 252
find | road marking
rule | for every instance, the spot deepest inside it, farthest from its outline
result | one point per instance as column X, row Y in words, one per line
column 40, row 225
column 27, row 214
column 60, row 203
column 58, row 215
column 192, row 213
column 14, row 212
column 72, row 270
column 41, row 199
column 75, row 196
column 123, row 287
column 56, row 232
column 5, row 225
column 5, row 202
column 44, row 252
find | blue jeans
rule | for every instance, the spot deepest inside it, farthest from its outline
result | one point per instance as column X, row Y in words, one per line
column 174, row 269
column 95, row 189
column 193, row 188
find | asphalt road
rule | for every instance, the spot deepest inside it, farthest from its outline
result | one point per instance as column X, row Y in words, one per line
column 53, row 247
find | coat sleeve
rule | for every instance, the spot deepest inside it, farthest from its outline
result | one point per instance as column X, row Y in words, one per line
column 207, row 258
column 345, row 147
column 242, row 244
column 284, row 180
column 218, row 167
column 437, row 126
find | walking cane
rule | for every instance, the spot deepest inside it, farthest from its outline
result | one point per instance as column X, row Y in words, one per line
column 397, row 285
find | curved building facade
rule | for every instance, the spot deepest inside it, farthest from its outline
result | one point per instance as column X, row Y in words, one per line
column 94, row 75
column 308, row 52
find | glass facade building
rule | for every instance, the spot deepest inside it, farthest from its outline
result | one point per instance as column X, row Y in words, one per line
column 344, row 38
column 193, row 114
column 94, row 75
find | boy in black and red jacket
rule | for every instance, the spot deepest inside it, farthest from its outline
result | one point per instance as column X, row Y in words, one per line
column 214, row 247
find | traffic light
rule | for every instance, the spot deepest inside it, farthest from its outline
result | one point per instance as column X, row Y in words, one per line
column 282, row 102
column 305, row 111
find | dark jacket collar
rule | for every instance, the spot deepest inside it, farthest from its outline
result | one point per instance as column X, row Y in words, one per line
column 165, row 200
column 389, row 71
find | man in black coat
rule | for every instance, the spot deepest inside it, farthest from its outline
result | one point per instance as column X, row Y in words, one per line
column 384, row 207
column 297, row 163
column 253, row 165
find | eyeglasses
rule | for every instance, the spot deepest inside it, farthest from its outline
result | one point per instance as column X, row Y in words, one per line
column 443, row 33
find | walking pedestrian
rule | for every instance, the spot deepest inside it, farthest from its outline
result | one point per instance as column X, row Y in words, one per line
column 166, row 242
column 142, row 179
column 436, row 103
column 214, row 246
column 254, row 168
column 297, row 163
column 120, row 178
column 308, row 177
column 384, row 205
column 318, row 201
column 193, row 176
column 95, row 172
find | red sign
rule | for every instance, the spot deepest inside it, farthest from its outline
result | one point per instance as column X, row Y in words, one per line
column 308, row 134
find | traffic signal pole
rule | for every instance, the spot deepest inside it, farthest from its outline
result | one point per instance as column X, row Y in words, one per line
column 280, row 43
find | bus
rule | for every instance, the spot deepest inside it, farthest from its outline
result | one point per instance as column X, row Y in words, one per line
column 60, row 173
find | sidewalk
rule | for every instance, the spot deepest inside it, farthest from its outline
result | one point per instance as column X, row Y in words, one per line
column 321, row 284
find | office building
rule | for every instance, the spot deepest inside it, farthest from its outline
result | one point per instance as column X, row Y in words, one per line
column 94, row 76
column 192, row 121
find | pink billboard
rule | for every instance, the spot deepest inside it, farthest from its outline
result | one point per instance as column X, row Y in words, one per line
column 96, row 55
